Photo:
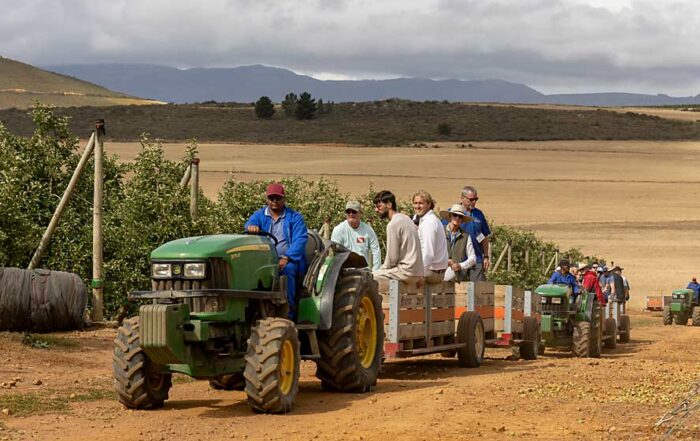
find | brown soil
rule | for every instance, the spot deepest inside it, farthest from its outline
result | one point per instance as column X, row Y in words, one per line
column 619, row 396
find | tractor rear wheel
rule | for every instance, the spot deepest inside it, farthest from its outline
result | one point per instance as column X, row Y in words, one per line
column 581, row 344
column 625, row 329
column 351, row 350
column 228, row 382
column 272, row 366
column 470, row 330
column 138, row 381
column 531, row 334
column 696, row 315
column 596, row 335
column 668, row 315
column 681, row 318
column 610, row 333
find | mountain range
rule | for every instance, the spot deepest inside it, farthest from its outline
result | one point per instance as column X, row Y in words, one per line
column 248, row 83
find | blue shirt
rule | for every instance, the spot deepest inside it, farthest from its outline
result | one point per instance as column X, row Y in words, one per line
column 695, row 287
column 277, row 230
column 568, row 280
column 477, row 227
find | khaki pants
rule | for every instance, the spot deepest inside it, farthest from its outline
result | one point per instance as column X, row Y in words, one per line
column 434, row 276
column 394, row 274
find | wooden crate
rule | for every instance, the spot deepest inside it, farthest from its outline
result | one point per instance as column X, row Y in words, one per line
column 409, row 322
column 476, row 296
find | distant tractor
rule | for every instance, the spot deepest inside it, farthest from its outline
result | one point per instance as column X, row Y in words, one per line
column 573, row 325
column 682, row 307
column 218, row 312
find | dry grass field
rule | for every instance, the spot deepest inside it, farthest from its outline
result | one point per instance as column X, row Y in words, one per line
column 631, row 202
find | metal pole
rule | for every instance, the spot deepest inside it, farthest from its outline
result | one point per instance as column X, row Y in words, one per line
column 97, row 281
column 194, row 188
column 56, row 218
column 510, row 249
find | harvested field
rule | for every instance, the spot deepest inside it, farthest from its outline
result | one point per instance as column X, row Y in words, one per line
column 617, row 397
column 632, row 201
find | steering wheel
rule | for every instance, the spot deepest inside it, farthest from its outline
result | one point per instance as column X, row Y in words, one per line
column 263, row 233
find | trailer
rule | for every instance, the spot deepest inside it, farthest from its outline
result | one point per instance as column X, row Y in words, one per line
column 616, row 324
column 654, row 303
column 462, row 319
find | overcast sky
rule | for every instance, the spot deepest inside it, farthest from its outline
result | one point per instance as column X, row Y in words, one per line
column 552, row 45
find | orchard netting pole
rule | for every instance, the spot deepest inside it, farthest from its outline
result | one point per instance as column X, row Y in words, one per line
column 97, row 281
column 194, row 187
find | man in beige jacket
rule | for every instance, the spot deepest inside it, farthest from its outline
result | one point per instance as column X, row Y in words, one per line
column 403, row 260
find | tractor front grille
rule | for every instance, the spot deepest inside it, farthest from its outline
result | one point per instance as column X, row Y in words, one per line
column 219, row 278
column 553, row 308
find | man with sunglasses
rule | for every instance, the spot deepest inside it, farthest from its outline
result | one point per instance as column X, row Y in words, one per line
column 288, row 227
column 479, row 232
column 357, row 236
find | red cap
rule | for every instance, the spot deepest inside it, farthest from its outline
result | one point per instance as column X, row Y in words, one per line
column 275, row 189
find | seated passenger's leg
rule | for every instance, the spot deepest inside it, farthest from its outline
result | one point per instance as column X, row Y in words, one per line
column 290, row 270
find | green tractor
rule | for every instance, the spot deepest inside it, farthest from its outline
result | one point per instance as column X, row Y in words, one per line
column 218, row 312
column 575, row 325
column 682, row 307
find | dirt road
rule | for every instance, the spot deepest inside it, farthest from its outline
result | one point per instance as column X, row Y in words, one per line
column 619, row 396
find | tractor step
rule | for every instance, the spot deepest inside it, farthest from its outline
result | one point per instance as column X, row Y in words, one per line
column 306, row 327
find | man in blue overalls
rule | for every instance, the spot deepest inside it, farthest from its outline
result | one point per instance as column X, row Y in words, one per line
column 288, row 227
column 564, row 277
column 695, row 286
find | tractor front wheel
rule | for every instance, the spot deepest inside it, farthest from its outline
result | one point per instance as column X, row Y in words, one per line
column 470, row 331
column 138, row 381
column 625, row 329
column 272, row 366
column 668, row 315
column 610, row 333
column 696, row 315
column 531, row 334
column 351, row 350
column 681, row 318
column 581, row 344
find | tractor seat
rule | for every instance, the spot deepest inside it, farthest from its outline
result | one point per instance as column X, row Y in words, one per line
column 313, row 245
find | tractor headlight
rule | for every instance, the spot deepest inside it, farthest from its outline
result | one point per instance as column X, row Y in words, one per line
column 195, row 270
column 556, row 300
column 543, row 299
column 161, row 270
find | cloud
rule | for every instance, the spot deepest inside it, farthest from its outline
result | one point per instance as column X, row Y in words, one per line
column 552, row 45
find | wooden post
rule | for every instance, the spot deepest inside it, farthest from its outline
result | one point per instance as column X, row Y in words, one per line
column 527, row 256
column 97, row 281
column 194, row 188
column 510, row 261
column 490, row 252
column 186, row 177
column 556, row 256
column 500, row 258
column 68, row 192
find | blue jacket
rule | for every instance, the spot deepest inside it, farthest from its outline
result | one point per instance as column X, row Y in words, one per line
column 294, row 232
column 568, row 279
column 695, row 287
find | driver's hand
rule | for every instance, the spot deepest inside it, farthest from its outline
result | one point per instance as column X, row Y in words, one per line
column 283, row 262
column 253, row 229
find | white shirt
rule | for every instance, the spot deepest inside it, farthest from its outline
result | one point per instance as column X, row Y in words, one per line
column 432, row 242
column 362, row 241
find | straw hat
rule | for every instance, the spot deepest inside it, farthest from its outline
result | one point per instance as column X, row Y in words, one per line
column 456, row 209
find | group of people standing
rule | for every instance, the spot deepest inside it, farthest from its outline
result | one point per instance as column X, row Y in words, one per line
column 607, row 284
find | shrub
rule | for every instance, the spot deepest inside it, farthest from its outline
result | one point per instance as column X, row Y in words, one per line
column 289, row 105
column 306, row 107
column 264, row 109
column 444, row 129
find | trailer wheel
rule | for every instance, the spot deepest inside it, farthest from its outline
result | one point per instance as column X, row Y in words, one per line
column 470, row 330
column 681, row 318
column 351, row 350
column 668, row 315
column 228, row 382
column 137, row 380
column 581, row 344
column 531, row 334
column 625, row 329
column 272, row 366
column 610, row 333
column 696, row 315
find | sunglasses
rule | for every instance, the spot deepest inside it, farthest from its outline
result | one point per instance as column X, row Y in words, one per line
column 351, row 211
column 471, row 199
column 275, row 198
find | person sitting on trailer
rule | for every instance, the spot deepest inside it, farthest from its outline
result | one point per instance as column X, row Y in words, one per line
column 564, row 277
column 288, row 227
column 590, row 282
column 695, row 286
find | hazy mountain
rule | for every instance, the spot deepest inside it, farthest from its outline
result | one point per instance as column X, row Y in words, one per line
column 248, row 83
column 22, row 84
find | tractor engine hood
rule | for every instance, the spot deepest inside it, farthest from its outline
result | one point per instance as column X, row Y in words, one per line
column 548, row 290
column 217, row 245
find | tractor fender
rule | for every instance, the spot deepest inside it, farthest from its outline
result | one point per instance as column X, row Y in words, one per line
column 342, row 259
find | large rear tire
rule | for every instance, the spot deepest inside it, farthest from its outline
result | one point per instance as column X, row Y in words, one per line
column 668, row 315
column 624, row 329
column 138, row 381
column 531, row 334
column 470, row 330
column 610, row 333
column 272, row 366
column 351, row 350
column 581, row 344
column 696, row 315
